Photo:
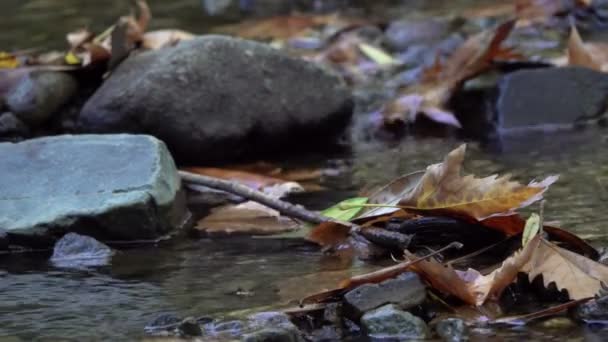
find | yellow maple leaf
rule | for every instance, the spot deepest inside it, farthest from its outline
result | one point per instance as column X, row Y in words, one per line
column 442, row 188
column 8, row 61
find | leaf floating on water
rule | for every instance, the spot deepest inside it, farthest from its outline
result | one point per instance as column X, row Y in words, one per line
column 442, row 188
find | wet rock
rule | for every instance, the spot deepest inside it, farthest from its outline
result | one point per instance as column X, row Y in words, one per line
column 38, row 95
column 217, row 98
column 189, row 327
column 230, row 328
column 271, row 335
column 452, row 330
column 327, row 333
column 272, row 326
column 405, row 291
column 12, row 128
column 164, row 322
column 112, row 187
column 402, row 34
column 592, row 311
column 388, row 322
column 74, row 250
column 550, row 97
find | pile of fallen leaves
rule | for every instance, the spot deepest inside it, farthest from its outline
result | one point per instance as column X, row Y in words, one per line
column 99, row 50
column 356, row 48
column 489, row 203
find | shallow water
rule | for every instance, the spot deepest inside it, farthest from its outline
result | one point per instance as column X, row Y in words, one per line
column 195, row 278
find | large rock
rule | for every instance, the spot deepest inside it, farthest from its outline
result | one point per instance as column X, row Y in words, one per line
column 39, row 94
column 115, row 187
column 218, row 98
column 550, row 97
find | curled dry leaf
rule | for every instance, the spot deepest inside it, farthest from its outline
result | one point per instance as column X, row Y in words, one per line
column 580, row 276
column 443, row 189
column 471, row 286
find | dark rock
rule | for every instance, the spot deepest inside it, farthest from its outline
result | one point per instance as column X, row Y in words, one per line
column 592, row 311
column 327, row 333
column 550, row 97
column 12, row 128
column 217, row 98
column 39, row 94
column 232, row 328
column 388, row 322
column 405, row 291
column 271, row 326
column 452, row 329
column 189, row 327
column 113, row 187
column 3, row 240
column 402, row 34
column 164, row 322
column 75, row 250
column 271, row 335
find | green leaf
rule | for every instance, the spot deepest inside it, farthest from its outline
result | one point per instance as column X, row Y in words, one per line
column 339, row 213
column 335, row 212
column 376, row 54
column 531, row 229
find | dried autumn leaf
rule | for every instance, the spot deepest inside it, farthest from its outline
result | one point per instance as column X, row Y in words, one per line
column 390, row 195
column 578, row 53
column 443, row 189
column 249, row 218
column 474, row 57
column 8, row 61
column 471, row 286
column 581, row 276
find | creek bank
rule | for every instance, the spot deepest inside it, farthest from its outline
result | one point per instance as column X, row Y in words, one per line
column 246, row 97
column 111, row 187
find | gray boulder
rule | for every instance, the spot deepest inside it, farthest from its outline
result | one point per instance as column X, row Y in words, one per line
column 217, row 98
column 550, row 97
column 39, row 94
column 405, row 291
column 113, row 187
column 75, row 251
column 390, row 323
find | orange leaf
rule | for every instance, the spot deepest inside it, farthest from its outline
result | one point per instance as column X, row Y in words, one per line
column 443, row 189
column 471, row 286
column 329, row 234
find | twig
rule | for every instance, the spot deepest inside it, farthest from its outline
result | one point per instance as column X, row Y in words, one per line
column 285, row 208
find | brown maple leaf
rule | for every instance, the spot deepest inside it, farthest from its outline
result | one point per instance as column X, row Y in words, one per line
column 442, row 188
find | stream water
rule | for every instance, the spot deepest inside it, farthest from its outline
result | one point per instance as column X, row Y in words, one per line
column 202, row 277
